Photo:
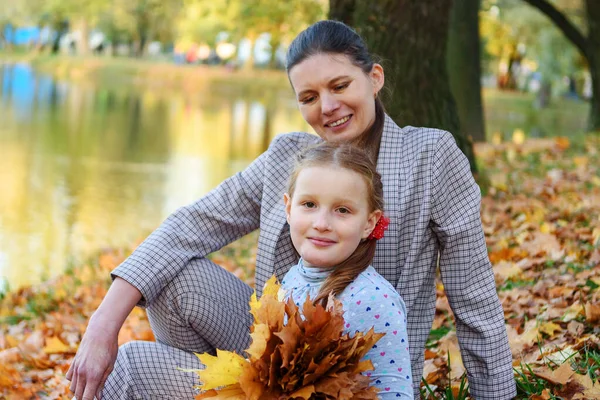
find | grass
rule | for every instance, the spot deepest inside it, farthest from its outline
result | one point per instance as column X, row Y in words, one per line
column 436, row 334
column 589, row 363
column 508, row 111
column 160, row 74
column 517, row 283
column 528, row 384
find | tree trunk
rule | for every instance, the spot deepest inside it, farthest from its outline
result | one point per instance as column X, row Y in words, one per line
column 62, row 28
column 141, row 49
column 83, row 47
column 249, row 62
column 275, row 43
column 411, row 36
column 593, row 20
column 464, row 67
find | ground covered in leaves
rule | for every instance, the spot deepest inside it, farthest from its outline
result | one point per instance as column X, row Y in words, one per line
column 541, row 217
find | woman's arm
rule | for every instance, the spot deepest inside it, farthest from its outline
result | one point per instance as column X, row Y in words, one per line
column 222, row 216
column 225, row 214
column 467, row 275
column 98, row 349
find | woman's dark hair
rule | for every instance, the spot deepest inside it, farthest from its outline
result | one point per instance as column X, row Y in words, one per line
column 351, row 158
column 337, row 38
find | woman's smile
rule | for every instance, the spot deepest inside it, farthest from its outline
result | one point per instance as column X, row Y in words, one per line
column 339, row 122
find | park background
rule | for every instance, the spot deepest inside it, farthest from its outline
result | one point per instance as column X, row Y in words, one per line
column 115, row 113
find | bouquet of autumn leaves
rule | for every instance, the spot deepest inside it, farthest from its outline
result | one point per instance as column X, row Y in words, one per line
column 293, row 355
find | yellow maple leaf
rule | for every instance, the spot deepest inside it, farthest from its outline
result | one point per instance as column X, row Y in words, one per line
column 549, row 328
column 261, row 334
column 270, row 290
column 234, row 392
column 222, row 370
column 254, row 305
column 271, row 287
column 54, row 345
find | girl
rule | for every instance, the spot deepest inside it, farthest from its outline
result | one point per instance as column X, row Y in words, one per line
column 334, row 206
column 195, row 306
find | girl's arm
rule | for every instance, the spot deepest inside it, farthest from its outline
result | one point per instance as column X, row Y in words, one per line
column 467, row 275
column 379, row 306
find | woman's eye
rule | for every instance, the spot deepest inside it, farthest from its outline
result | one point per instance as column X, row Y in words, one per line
column 307, row 100
column 342, row 86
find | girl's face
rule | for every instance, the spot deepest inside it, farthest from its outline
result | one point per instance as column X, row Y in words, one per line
column 336, row 97
column 328, row 214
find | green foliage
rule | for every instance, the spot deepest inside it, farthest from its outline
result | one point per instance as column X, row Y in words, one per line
column 168, row 21
column 436, row 334
column 588, row 363
column 513, row 29
column 202, row 20
column 528, row 384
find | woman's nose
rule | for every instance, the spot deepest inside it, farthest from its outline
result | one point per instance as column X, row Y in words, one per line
column 329, row 104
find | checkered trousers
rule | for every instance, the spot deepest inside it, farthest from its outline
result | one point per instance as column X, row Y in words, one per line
column 434, row 207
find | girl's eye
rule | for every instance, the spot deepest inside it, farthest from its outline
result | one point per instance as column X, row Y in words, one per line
column 309, row 204
column 343, row 210
column 342, row 86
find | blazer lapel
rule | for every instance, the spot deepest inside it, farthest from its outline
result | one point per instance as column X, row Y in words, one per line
column 388, row 165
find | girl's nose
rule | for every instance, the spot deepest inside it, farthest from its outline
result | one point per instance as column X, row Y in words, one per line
column 321, row 222
column 329, row 104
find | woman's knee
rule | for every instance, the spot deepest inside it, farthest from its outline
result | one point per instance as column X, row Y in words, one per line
column 204, row 299
column 205, row 278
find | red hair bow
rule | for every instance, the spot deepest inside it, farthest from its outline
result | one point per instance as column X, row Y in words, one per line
column 380, row 227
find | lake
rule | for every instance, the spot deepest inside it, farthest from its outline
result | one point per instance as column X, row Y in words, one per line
column 84, row 168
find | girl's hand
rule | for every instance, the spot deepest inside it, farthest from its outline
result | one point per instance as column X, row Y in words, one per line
column 93, row 362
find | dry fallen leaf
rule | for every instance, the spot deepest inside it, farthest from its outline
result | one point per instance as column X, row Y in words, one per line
column 545, row 395
column 587, row 389
column 592, row 313
column 55, row 345
column 559, row 376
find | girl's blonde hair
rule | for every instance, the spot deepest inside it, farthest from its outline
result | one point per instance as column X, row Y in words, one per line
column 352, row 158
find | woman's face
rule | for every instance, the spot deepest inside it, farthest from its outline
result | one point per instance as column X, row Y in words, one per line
column 336, row 97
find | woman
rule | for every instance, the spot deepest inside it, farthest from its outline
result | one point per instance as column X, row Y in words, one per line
column 194, row 305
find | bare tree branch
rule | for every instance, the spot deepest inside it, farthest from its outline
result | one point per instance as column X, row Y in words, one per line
column 561, row 21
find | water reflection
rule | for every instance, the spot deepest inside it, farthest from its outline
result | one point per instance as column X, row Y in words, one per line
column 83, row 167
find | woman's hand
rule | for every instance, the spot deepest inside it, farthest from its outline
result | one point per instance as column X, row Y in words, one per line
column 97, row 352
column 93, row 362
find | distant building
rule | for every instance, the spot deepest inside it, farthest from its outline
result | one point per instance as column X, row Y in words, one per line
column 22, row 36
